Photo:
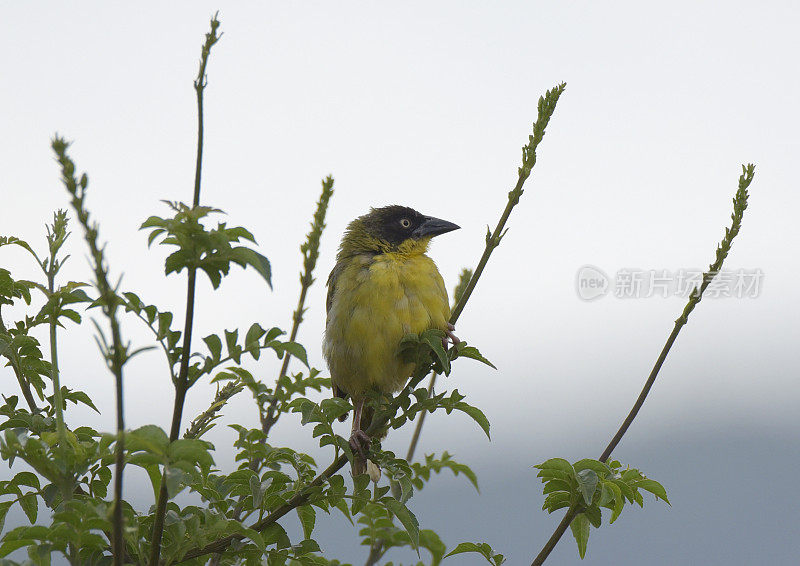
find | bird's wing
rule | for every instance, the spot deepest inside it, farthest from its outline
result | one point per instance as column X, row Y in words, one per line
column 335, row 272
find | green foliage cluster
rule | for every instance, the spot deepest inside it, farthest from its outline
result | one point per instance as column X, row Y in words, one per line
column 589, row 485
column 67, row 471
column 240, row 508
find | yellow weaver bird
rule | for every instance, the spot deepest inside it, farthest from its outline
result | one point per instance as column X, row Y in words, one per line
column 382, row 287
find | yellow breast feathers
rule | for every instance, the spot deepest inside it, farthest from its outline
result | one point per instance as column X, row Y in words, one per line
column 375, row 301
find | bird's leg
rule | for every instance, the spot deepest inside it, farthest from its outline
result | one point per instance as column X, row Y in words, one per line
column 449, row 334
column 359, row 441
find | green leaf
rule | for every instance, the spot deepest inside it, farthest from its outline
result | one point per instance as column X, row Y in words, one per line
column 191, row 450
column 600, row 468
column 430, row 541
column 434, row 340
column 480, row 548
column 78, row 397
column 4, row 507
column 580, row 530
column 10, row 546
column 30, row 505
column 245, row 256
column 476, row 414
column 559, row 464
column 472, row 353
column 230, row 342
column 594, row 515
column 587, row 484
column 307, row 517
column 174, row 478
column 275, row 534
column 653, row 487
column 296, row 350
column 556, row 501
column 406, row 518
column 149, row 438
column 214, row 346
column 27, row 478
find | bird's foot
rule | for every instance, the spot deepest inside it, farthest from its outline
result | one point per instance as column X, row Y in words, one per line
column 360, row 443
column 448, row 334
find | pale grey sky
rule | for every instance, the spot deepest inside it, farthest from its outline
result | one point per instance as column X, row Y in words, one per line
column 428, row 105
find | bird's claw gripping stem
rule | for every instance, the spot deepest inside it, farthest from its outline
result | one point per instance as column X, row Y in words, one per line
column 448, row 334
column 360, row 443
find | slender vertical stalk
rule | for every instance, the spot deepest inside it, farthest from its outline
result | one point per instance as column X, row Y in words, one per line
column 545, row 109
column 412, row 446
column 182, row 383
column 116, row 354
column 56, row 236
column 58, row 400
column 739, row 206
column 310, row 251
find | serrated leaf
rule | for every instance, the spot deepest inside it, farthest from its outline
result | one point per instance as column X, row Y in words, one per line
column 476, row 414
column 245, row 256
column 594, row 515
column 580, row 530
column 174, row 477
column 30, row 505
column 434, row 340
column 480, row 548
column 473, row 353
column 406, row 518
column 559, row 464
column 27, row 478
column 600, row 468
column 653, row 487
column 149, row 438
column 308, row 518
column 191, row 450
column 214, row 346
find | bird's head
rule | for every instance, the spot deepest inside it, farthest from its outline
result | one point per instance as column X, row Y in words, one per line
column 393, row 229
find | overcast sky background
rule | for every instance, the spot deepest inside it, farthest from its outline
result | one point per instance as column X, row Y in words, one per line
column 427, row 105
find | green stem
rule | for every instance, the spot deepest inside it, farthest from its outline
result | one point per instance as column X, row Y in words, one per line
column 182, row 384
column 739, row 206
column 58, row 399
column 412, row 446
column 545, row 109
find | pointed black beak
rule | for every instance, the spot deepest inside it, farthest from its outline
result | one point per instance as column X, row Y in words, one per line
column 433, row 227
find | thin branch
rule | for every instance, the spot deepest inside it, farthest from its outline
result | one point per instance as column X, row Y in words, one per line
column 412, row 446
column 182, row 383
column 469, row 278
column 116, row 355
column 300, row 498
column 739, row 206
column 201, row 423
column 546, row 107
column 376, row 552
column 56, row 236
column 310, row 251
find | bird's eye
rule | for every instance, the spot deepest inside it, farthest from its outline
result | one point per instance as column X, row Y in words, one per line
column 405, row 222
